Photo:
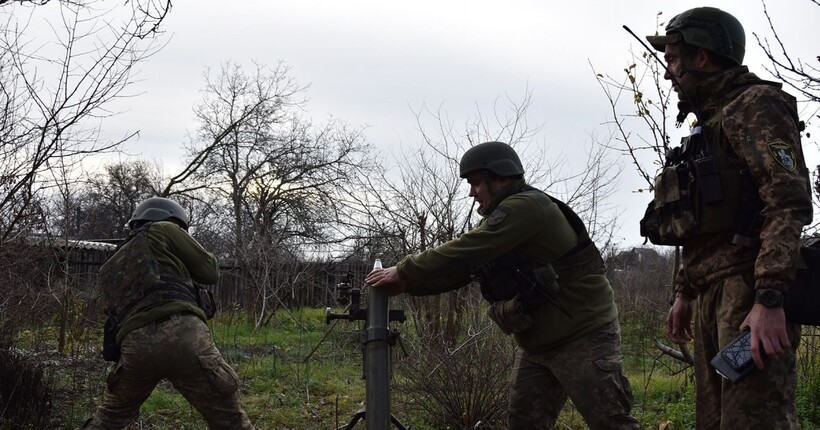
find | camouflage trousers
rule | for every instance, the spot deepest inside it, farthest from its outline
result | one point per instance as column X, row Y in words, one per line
column 587, row 370
column 765, row 398
column 181, row 350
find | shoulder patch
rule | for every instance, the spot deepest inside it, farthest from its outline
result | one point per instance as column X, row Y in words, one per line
column 498, row 216
column 783, row 153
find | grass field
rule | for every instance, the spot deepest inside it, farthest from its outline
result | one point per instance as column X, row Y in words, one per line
column 284, row 389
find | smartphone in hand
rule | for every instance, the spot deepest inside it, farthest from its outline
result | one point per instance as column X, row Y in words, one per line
column 735, row 361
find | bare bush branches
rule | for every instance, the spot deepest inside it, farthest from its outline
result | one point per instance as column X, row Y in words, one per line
column 278, row 175
column 681, row 354
column 110, row 197
column 460, row 387
column 793, row 71
column 55, row 94
column 644, row 149
column 149, row 13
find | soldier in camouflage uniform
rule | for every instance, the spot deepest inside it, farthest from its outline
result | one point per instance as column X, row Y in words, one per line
column 566, row 348
column 162, row 332
column 740, row 255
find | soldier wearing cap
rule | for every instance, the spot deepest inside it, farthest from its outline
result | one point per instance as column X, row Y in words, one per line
column 738, row 214
column 545, row 283
column 157, row 320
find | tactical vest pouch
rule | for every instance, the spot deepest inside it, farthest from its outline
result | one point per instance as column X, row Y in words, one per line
column 498, row 280
column 509, row 276
column 669, row 218
column 803, row 299
column 705, row 168
column 719, row 216
column 510, row 316
column 544, row 289
column 205, row 301
column 709, row 184
column 688, row 202
column 111, row 349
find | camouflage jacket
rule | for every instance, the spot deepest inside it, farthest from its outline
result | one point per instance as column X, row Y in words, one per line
column 177, row 254
column 532, row 226
column 758, row 125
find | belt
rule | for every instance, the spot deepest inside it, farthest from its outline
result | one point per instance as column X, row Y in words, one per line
column 165, row 318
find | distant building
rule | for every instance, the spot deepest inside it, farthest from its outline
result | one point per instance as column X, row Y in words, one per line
column 635, row 258
column 81, row 258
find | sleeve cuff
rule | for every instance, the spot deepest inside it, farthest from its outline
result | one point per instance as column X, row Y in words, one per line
column 772, row 284
column 684, row 288
column 401, row 270
column 686, row 293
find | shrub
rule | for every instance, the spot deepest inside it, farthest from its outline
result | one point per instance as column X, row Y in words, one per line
column 25, row 394
column 459, row 386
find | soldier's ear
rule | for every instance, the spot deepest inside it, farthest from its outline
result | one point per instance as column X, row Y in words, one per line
column 503, row 181
column 703, row 60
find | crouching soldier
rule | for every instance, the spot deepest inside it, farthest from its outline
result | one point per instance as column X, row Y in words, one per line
column 156, row 322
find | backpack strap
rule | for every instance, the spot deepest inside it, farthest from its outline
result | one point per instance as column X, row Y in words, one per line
column 574, row 221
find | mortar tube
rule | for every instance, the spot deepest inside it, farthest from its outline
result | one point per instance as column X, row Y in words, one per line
column 377, row 375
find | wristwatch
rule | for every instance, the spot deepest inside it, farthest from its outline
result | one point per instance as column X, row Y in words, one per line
column 770, row 298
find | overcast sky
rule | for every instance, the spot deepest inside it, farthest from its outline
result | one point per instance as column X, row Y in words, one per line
column 373, row 62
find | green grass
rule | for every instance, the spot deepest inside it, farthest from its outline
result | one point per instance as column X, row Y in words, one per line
column 664, row 398
column 808, row 371
column 280, row 388
column 283, row 390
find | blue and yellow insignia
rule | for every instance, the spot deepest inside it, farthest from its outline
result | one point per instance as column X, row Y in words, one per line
column 783, row 153
column 498, row 216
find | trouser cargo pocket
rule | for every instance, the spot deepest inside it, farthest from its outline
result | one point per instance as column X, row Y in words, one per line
column 221, row 376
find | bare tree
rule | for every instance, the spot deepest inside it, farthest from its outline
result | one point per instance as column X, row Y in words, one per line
column 62, row 286
column 793, row 71
column 56, row 92
column 237, row 115
column 640, row 132
column 279, row 173
column 150, row 13
column 109, row 198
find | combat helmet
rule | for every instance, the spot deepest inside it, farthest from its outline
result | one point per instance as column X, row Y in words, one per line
column 158, row 209
column 708, row 28
column 497, row 157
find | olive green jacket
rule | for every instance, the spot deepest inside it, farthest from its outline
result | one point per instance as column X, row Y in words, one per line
column 180, row 255
column 531, row 225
